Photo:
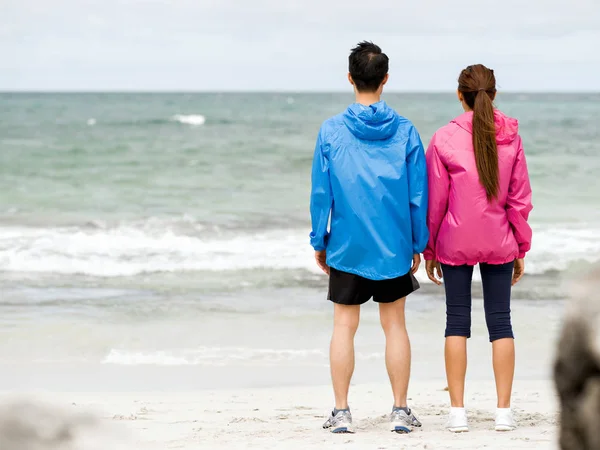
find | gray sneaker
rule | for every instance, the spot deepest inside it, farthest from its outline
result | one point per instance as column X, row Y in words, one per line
column 340, row 422
column 401, row 422
column 416, row 423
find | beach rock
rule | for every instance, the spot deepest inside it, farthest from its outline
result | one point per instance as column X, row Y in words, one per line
column 27, row 424
column 577, row 369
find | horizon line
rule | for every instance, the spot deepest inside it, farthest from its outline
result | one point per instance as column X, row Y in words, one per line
column 258, row 91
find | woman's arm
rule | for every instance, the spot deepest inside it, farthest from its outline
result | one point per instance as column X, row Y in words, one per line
column 439, row 188
column 518, row 203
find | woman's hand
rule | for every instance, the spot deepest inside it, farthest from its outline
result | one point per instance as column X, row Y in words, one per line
column 432, row 266
column 519, row 270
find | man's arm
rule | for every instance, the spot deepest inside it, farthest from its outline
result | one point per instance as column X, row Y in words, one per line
column 321, row 198
column 417, row 191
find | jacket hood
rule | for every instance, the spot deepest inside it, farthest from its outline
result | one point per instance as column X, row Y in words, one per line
column 507, row 128
column 375, row 122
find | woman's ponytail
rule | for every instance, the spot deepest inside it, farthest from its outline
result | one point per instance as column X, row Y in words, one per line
column 478, row 86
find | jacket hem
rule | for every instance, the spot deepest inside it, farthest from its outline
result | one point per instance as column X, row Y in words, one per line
column 369, row 275
column 475, row 261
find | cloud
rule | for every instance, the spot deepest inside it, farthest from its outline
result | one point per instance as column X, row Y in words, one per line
column 426, row 17
column 292, row 44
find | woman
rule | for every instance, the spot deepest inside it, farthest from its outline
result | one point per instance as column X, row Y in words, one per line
column 479, row 202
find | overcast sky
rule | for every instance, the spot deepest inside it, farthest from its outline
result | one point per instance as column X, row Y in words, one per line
column 294, row 45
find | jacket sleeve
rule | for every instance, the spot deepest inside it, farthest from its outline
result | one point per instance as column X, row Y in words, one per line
column 321, row 198
column 417, row 191
column 518, row 203
column 439, row 189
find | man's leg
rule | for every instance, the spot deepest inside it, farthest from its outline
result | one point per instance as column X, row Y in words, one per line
column 397, row 349
column 341, row 355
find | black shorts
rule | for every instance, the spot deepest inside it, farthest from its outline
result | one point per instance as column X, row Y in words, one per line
column 350, row 289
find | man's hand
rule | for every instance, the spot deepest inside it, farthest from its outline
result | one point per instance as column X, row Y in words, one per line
column 321, row 258
column 430, row 267
column 416, row 263
column 519, row 270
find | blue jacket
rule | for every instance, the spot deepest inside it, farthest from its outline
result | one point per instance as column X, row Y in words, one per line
column 369, row 174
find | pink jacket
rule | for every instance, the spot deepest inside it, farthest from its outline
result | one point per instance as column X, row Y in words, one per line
column 464, row 227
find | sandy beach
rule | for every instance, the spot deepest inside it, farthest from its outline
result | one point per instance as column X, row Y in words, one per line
column 291, row 418
column 272, row 393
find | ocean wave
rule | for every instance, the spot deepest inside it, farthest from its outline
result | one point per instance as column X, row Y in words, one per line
column 134, row 249
column 127, row 251
column 190, row 119
column 176, row 119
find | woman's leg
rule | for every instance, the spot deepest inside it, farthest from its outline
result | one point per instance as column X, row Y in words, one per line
column 457, row 282
column 496, row 281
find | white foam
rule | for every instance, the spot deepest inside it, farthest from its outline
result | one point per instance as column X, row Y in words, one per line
column 154, row 247
column 189, row 119
column 91, row 122
column 210, row 356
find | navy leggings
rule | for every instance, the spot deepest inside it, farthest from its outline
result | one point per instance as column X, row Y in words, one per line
column 496, row 280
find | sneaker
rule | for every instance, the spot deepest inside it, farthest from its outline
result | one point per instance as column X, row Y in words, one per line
column 341, row 422
column 414, row 419
column 505, row 420
column 457, row 421
column 401, row 422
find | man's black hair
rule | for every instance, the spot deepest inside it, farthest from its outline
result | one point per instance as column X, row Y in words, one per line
column 368, row 66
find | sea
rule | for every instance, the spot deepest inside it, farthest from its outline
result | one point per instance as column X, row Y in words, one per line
column 160, row 240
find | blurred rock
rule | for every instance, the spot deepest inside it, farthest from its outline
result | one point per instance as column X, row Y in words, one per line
column 577, row 368
column 36, row 425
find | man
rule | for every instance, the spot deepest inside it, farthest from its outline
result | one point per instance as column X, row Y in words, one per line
column 369, row 175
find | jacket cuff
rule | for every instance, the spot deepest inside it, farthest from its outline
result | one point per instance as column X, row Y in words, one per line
column 318, row 244
column 428, row 255
column 521, row 255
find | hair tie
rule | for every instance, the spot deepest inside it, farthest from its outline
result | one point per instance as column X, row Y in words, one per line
column 481, row 89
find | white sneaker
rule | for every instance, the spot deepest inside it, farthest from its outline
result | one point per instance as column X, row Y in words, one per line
column 505, row 420
column 457, row 421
